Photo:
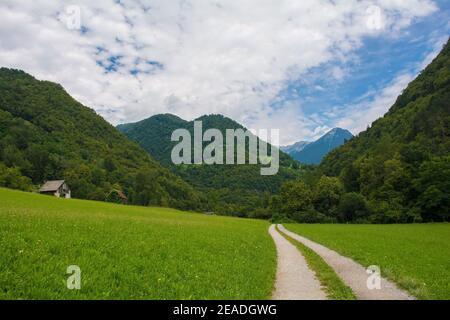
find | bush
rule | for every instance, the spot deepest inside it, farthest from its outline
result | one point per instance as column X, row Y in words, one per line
column 260, row 213
column 312, row 216
column 353, row 208
column 12, row 178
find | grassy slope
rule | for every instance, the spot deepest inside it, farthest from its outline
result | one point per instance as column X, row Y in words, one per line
column 129, row 252
column 333, row 285
column 417, row 257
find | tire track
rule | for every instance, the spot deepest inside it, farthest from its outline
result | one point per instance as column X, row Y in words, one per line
column 352, row 273
column 294, row 279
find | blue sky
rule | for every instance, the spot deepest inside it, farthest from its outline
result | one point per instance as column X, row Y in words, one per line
column 375, row 66
column 303, row 67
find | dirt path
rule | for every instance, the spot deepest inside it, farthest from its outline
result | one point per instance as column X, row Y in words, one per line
column 295, row 281
column 352, row 273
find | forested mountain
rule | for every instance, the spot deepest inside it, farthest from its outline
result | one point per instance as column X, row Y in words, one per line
column 398, row 170
column 401, row 164
column 153, row 135
column 314, row 152
column 45, row 134
column 233, row 189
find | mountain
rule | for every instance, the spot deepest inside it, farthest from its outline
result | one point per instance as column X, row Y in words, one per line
column 235, row 189
column 313, row 152
column 153, row 135
column 47, row 135
column 296, row 147
column 401, row 164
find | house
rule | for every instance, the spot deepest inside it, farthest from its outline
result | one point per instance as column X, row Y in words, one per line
column 57, row 188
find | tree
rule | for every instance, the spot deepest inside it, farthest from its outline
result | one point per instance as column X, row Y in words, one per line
column 327, row 195
column 349, row 177
column 433, row 185
column 296, row 197
column 353, row 208
column 40, row 161
column 396, row 175
column 109, row 165
column 11, row 178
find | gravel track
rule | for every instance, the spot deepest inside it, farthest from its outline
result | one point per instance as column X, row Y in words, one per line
column 294, row 279
column 352, row 273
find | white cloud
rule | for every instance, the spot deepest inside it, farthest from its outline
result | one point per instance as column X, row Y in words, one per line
column 193, row 57
column 337, row 73
column 357, row 117
column 374, row 104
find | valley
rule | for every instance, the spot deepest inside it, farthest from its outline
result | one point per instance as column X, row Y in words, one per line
column 132, row 223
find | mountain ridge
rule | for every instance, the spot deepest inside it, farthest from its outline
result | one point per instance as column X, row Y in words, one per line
column 237, row 188
column 170, row 122
column 45, row 134
column 313, row 152
column 295, row 147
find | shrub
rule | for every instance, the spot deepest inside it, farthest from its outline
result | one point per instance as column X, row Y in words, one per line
column 312, row 216
column 12, row 178
column 353, row 208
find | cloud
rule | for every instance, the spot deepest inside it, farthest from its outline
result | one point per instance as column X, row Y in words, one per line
column 133, row 59
column 374, row 104
column 357, row 117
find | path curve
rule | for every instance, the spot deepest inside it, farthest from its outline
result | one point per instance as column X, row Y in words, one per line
column 352, row 273
column 294, row 280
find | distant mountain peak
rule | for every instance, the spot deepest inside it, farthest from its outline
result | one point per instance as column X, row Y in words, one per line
column 296, row 147
column 313, row 152
column 337, row 133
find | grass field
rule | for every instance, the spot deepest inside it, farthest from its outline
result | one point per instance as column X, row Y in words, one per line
column 129, row 252
column 417, row 257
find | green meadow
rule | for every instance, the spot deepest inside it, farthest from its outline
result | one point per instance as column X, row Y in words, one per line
column 127, row 252
column 415, row 256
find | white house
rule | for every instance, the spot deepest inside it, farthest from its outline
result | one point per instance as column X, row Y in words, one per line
column 58, row 188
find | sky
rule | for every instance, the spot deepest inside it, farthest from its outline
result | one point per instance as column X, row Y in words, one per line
column 303, row 67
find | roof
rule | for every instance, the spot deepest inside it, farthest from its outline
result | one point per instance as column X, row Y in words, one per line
column 51, row 185
column 120, row 194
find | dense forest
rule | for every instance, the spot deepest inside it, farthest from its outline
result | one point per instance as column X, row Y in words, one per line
column 45, row 134
column 398, row 170
column 231, row 189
